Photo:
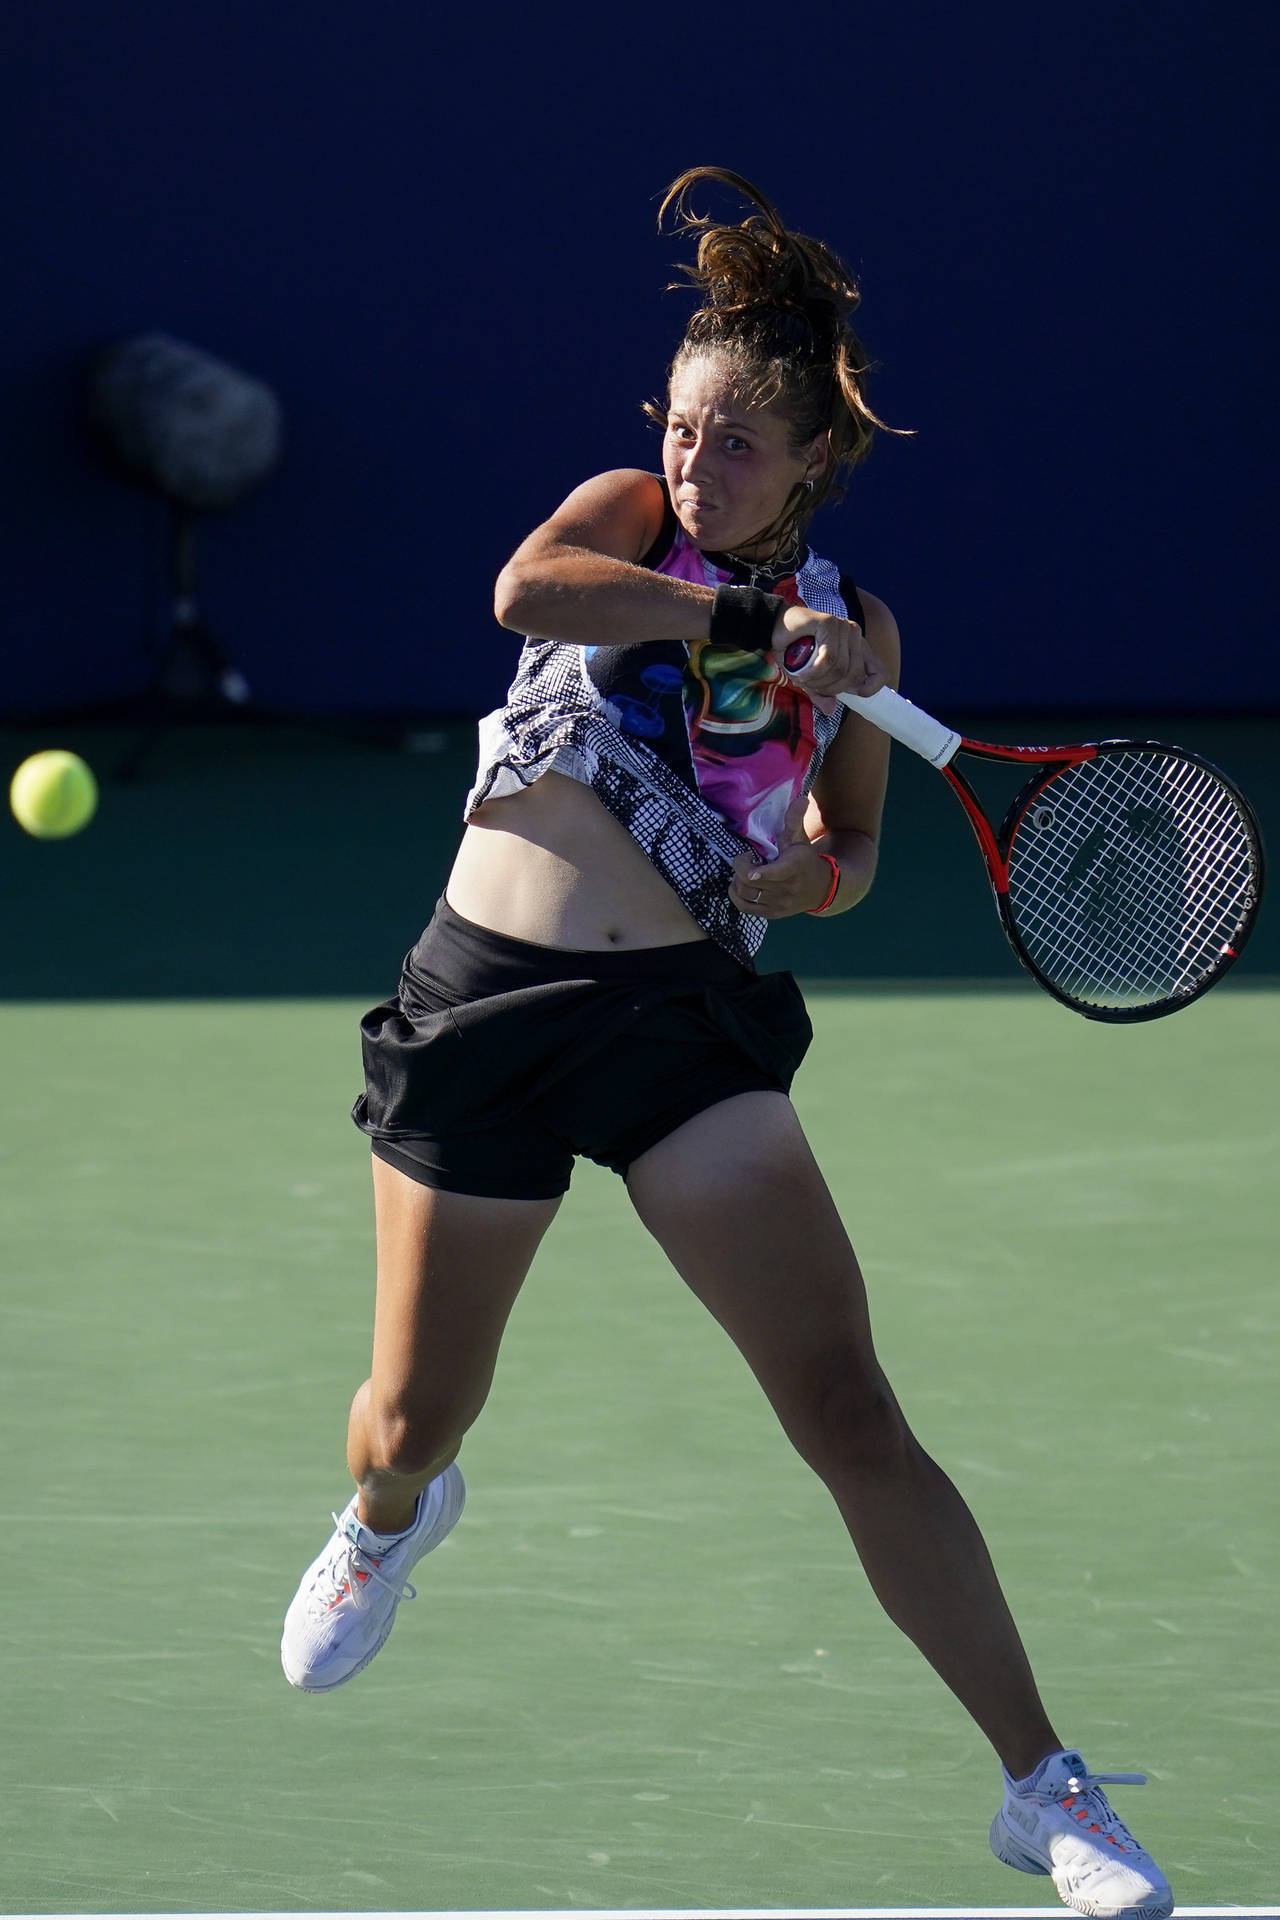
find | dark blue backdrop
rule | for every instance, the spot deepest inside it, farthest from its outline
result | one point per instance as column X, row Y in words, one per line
column 433, row 235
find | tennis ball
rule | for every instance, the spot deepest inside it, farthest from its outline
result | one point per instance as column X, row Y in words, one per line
column 53, row 794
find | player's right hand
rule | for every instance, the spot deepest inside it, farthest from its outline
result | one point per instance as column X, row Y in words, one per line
column 841, row 662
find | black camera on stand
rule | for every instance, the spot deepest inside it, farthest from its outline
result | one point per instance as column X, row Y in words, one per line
column 201, row 435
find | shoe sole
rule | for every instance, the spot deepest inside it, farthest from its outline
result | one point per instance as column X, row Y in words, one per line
column 453, row 1500
column 1006, row 1849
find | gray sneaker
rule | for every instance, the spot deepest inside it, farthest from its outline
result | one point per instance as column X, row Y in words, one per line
column 346, row 1605
column 1062, row 1825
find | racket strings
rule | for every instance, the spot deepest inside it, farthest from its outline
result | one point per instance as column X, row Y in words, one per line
column 1156, row 936
column 1119, row 928
column 1130, row 876
column 1141, row 925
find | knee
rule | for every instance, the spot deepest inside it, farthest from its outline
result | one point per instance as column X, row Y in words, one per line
column 849, row 1423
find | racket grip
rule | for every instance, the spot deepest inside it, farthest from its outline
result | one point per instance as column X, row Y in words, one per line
column 891, row 713
column 910, row 724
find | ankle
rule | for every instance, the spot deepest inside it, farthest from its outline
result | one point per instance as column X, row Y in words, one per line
column 383, row 1510
column 387, row 1501
column 1021, row 1763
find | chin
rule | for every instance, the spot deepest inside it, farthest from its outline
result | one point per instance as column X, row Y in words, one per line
column 703, row 529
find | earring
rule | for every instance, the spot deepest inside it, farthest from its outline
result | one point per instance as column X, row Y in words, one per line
column 808, row 486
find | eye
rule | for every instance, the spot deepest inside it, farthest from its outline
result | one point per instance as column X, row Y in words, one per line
column 736, row 444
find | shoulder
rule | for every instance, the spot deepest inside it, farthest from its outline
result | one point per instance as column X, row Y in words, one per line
column 620, row 483
column 620, row 513
column 874, row 618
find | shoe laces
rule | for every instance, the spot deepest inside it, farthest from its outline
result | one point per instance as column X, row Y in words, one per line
column 350, row 1569
column 1087, row 1805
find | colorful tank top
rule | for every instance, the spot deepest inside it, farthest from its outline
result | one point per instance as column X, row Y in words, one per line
column 697, row 750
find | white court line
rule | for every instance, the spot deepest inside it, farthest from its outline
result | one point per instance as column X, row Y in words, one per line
column 681, row 1913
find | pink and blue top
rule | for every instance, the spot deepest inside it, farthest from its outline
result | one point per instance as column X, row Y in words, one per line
column 697, row 749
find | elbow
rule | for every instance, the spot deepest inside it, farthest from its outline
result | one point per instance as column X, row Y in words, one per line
column 511, row 598
column 858, row 856
column 867, row 870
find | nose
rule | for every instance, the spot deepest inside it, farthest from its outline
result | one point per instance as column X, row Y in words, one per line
column 691, row 461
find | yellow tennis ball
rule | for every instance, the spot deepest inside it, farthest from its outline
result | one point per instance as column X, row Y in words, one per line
column 53, row 794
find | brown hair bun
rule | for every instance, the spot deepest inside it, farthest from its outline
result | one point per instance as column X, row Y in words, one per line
column 778, row 305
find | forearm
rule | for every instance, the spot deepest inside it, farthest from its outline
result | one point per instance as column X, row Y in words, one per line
column 855, row 854
column 590, row 599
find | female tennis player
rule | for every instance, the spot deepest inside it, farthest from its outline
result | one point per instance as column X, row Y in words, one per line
column 655, row 791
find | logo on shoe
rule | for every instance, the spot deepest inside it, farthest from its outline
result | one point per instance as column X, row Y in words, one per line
column 1021, row 1816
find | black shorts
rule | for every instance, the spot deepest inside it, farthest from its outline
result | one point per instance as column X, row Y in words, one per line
column 499, row 1060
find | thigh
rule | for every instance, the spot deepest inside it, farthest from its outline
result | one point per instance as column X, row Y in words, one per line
column 449, row 1268
column 737, row 1202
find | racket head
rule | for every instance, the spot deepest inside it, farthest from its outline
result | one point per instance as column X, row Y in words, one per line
column 1135, row 878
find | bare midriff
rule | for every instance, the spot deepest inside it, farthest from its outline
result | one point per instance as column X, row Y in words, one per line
column 550, row 864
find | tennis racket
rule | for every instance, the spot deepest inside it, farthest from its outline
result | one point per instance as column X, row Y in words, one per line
column 1127, row 874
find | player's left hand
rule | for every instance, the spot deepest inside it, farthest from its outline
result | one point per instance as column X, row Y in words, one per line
column 796, row 881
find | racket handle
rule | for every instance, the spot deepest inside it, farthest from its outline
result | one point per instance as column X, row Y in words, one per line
column 891, row 713
column 910, row 724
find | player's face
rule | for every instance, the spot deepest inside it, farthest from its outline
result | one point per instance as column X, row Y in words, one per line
column 731, row 468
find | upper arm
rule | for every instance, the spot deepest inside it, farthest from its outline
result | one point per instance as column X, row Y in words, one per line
column 848, row 794
column 618, row 514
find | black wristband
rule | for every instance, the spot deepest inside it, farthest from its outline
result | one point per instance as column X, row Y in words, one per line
column 744, row 617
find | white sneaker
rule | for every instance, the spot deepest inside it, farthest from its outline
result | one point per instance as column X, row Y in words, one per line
column 346, row 1605
column 1060, row 1824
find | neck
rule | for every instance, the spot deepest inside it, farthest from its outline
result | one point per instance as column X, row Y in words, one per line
column 779, row 543
column 767, row 556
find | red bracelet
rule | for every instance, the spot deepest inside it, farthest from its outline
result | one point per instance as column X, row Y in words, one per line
column 835, row 884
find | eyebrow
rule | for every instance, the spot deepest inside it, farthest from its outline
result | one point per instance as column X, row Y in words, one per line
column 717, row 419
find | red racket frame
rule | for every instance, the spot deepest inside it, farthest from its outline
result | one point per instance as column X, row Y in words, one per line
column 995, row 844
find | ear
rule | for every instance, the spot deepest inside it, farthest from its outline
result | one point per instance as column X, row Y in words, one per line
column 818, row 455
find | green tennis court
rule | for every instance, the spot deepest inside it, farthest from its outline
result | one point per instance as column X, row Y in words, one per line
column 645, row 1672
